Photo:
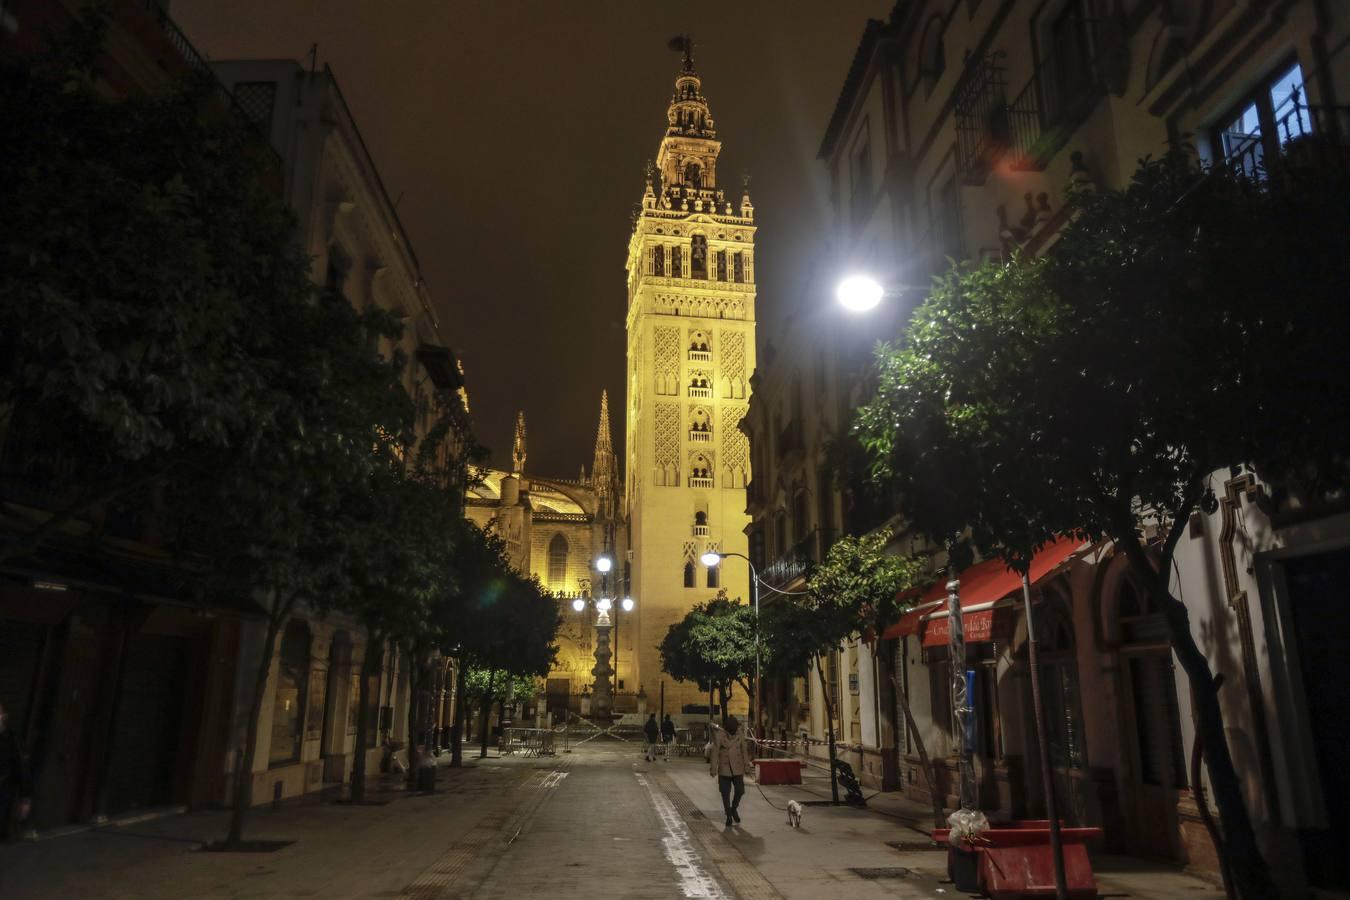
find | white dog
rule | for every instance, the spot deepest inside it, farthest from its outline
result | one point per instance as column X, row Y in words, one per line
column 794, row 814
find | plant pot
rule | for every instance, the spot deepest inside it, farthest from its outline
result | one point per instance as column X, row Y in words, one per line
column 963, row 867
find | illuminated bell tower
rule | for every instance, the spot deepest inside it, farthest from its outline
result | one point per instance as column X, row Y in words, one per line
column 691, row 352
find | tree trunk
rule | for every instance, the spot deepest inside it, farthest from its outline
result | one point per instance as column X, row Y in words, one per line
column 722, row 700
column 487, row 712
column 929, row 774
column 460, row 717
column 1249, row 869
column 370, row 666
column 415, row 673
column 829, row 726
column 243, row 770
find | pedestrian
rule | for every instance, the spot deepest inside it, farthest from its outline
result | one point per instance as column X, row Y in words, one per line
column 16, row 790
column 652, row 732
column 728, row 762
column 667, row 734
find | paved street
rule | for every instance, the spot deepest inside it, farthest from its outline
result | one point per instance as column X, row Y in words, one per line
column 598, row 822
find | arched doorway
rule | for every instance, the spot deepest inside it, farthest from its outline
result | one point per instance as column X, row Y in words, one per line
column 1062, row 714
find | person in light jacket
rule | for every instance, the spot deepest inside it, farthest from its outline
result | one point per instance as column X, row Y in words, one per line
column 728, row 762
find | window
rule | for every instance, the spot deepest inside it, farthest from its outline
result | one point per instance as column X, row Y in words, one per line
column 676, row 263
column 288, row 701
column 738, row 267
column 692, row 176
column 721, row 265
column 860, row 163
column 800, row 517
column 1274, row 114
column 1068, row 80
column 712, row 576
column 946, row 228
column 698, row 256
column 689, row 574
column 932, row 53
column 557, row 561
column 658, row 260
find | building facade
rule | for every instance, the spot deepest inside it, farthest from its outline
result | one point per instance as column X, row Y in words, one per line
column 960, row 128
column 691, row 355
column 348, row 227
column 556, row 529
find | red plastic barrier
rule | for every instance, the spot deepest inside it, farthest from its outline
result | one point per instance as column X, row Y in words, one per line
column 779, row 771
column 1015, row 860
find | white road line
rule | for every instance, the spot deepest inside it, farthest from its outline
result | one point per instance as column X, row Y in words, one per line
column 553, row 779
column 678, row 844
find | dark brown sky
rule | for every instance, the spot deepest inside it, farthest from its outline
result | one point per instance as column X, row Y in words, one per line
column 516, row 132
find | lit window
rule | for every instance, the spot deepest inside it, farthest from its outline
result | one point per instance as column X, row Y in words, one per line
column 1273, row 115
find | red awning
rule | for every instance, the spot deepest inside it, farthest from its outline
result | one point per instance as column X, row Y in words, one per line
column 984, row 587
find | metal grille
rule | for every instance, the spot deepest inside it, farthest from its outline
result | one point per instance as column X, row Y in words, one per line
column 879, row 874
column 256, row 99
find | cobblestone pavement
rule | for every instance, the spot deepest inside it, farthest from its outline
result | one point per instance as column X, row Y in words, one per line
column 596, row 823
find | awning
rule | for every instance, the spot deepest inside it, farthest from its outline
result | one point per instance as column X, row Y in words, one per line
column 985, row 588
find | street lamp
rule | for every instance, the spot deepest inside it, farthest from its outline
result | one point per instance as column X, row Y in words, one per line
column 713, row 558
column 603, row 564
column 627, row 604
column 863, row 293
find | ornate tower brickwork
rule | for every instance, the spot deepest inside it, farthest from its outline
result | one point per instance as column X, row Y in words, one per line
column 691, row 352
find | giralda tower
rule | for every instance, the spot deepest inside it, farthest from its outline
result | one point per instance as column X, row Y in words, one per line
column 691, row 352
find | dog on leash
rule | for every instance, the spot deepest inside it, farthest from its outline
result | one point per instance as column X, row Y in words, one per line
column 794, row 814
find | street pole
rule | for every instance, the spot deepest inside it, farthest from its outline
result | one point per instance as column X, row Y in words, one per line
column 759, row 685
column 1043, row 744
column 961, row 709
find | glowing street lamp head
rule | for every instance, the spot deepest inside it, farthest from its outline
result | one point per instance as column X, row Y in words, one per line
column 603, row 604
column 859, row 293
column 604, row 564
column 711, row 559
column 627, row 604
column 579, row 604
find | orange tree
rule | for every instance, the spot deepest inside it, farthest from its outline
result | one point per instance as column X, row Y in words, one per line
column 1189, row 322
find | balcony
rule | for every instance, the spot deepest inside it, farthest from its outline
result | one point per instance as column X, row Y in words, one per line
column 700, row 531
column 700, row 437
column 1064, row 88
column 700, row 356
column 705, row 483
column 704, row 393
column 800, row 561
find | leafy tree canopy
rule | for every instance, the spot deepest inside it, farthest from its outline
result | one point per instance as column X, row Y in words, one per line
column 713, row 645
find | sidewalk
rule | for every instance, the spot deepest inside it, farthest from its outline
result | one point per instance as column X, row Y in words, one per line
column 339, row 850
column 844, row 851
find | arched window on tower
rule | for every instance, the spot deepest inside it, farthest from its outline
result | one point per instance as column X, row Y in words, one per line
column 689, row 574
column 676, row 263
column 712, row 576
column 739, row 267
column 693, row 176
column 658, row 260
column 721, row 265
column 698, row 256
column 557, row 561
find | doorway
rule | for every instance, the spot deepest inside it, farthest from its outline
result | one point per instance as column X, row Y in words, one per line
column 1321, row 611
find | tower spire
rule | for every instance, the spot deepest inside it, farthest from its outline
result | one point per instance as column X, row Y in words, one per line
column 602, row 466
column 518, row 446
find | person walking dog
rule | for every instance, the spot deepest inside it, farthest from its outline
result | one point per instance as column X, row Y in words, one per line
column 667, row 734
column 652, row 732
column 728, row 762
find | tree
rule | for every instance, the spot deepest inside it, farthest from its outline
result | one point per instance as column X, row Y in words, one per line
column 1096, row 390
column 713, row 646
column 139, row 238
column 267, row 515
column 876, row 588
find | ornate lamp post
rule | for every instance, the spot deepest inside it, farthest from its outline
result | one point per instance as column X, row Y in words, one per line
column 602, row 691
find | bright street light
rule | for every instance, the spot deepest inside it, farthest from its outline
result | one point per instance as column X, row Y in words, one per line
column 711, row 559
column 579, row 604
column 859, row 293
column 627, row 604
column 603, row 604
column 603, row 564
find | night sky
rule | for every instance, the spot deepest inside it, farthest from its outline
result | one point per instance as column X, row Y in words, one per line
column 516, row 133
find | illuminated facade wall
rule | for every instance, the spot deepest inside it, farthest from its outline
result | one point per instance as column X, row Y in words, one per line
column 691, row 353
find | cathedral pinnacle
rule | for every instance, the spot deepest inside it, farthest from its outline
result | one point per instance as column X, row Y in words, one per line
column 518, row 446
column 602, row 466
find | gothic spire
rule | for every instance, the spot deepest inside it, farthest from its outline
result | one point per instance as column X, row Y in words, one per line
column 602, row 466
column 518, row 446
